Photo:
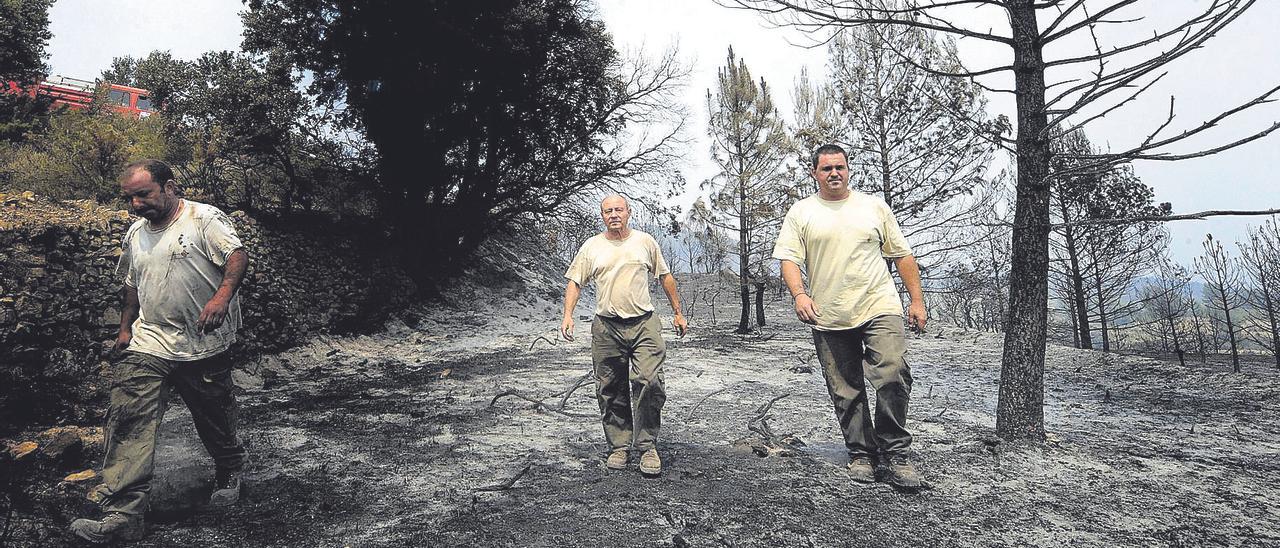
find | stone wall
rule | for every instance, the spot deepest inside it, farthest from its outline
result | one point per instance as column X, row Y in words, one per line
column 60, row 298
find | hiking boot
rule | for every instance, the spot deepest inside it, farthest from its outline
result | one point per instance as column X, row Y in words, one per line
column 113, row 526
column 226, row 488
column 902, row 474
column 617, row 460
column 862, row 470
column 650, row 463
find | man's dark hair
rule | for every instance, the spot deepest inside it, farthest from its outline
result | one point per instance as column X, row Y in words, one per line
column 160, row 172
column 827, row 149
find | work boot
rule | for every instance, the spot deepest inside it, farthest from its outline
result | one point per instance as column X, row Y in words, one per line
column 650, row 463
column 902, row 474
column 862, row 470
column 113, row 526
column 617, row 460
column 226, row 488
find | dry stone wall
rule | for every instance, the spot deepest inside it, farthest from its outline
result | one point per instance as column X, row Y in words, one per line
column 60, row 298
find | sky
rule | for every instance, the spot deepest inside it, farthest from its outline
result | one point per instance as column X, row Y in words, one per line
column 1234, row 66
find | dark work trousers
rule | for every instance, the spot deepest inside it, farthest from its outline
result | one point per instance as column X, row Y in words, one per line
column 881, row 344
column 140, row 385
column 627, row 355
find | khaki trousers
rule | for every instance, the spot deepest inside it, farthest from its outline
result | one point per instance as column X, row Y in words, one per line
column 627, row 355
column 140, row 386
column 881, row 345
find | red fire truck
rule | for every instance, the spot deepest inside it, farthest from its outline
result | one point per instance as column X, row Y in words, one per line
column 76, row 94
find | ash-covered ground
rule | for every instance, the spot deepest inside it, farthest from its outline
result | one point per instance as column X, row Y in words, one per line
column 396, row 439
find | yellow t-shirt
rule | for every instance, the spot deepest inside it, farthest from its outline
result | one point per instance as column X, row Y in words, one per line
column 842, row 246
column 621, row 270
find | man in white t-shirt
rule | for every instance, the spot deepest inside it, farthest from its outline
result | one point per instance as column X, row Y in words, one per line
column 627, row 349
column 181, row 266
column 843, row 241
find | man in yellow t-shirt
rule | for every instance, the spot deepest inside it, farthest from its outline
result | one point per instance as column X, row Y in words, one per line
column 627, row 349
column 842, row 240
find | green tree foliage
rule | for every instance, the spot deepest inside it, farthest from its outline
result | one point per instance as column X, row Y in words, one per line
column 24, row 33
column 243, row 134
column 480, row 111
column 81, row 153
column 750, row 195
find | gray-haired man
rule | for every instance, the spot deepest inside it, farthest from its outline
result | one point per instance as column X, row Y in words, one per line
column 627, row 349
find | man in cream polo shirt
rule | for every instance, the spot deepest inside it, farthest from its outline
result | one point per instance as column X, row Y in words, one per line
column 842, row 240
column 627, row 349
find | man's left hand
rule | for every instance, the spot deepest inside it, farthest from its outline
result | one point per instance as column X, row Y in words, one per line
column 211, row 317
column 681, row 325
column 916, row 317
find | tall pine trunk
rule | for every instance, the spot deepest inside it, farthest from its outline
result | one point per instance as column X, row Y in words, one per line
column 1020, row 409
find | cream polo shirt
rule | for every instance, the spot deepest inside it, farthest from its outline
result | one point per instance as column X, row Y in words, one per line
column 842, row 246
column 622, row 270
column 176, row 270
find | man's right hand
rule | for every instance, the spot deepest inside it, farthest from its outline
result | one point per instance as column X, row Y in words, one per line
column 566, row 328
column 806, row 310
column 122, row 343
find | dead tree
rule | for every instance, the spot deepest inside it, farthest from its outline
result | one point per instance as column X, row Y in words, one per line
column 1168, row 298
column 1222, row 288
column 1261, row 258
column 751, row 193
column 1085, row 85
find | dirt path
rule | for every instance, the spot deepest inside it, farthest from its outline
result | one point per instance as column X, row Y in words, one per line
column 390, row 440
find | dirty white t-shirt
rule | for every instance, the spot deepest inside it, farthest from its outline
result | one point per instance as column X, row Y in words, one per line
column 176, row 270
column 842, row 246
column 621, row 270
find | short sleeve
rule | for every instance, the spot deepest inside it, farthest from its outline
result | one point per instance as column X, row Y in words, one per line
column 895, row 244
column 220, row 238
column 580, row 269
column 660, row 267
column 124, row 267
column 790, row 244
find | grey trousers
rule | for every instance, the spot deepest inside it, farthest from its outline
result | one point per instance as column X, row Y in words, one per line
column 881, row 345
column 140, row 386
column 627, row 356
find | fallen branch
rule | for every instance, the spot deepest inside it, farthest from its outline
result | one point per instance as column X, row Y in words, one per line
column 507, row 484
column 576, row 385
column 541, row 403
column 708, row 396
column 541, row 338
column 760, row 425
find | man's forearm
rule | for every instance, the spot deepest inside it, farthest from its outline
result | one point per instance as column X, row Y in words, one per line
column 571, row 292
column 791, row 276
column 233, row 274
column 673, row 296
column 129, row 310
column 909, row 271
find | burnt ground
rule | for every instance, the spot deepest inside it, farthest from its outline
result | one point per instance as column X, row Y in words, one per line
column 395, row 439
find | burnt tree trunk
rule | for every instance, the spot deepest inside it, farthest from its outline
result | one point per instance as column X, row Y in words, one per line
column 760, row 304
column 1080, row 307
column 1020, row 409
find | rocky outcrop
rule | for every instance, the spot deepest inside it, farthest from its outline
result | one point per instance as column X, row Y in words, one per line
column 59, row 297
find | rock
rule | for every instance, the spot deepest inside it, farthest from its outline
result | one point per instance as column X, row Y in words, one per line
column 82, row 476
column 23, row 449
column 63, row 445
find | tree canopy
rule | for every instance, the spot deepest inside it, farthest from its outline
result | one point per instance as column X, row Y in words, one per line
column 24, row 33
column 480, row 112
